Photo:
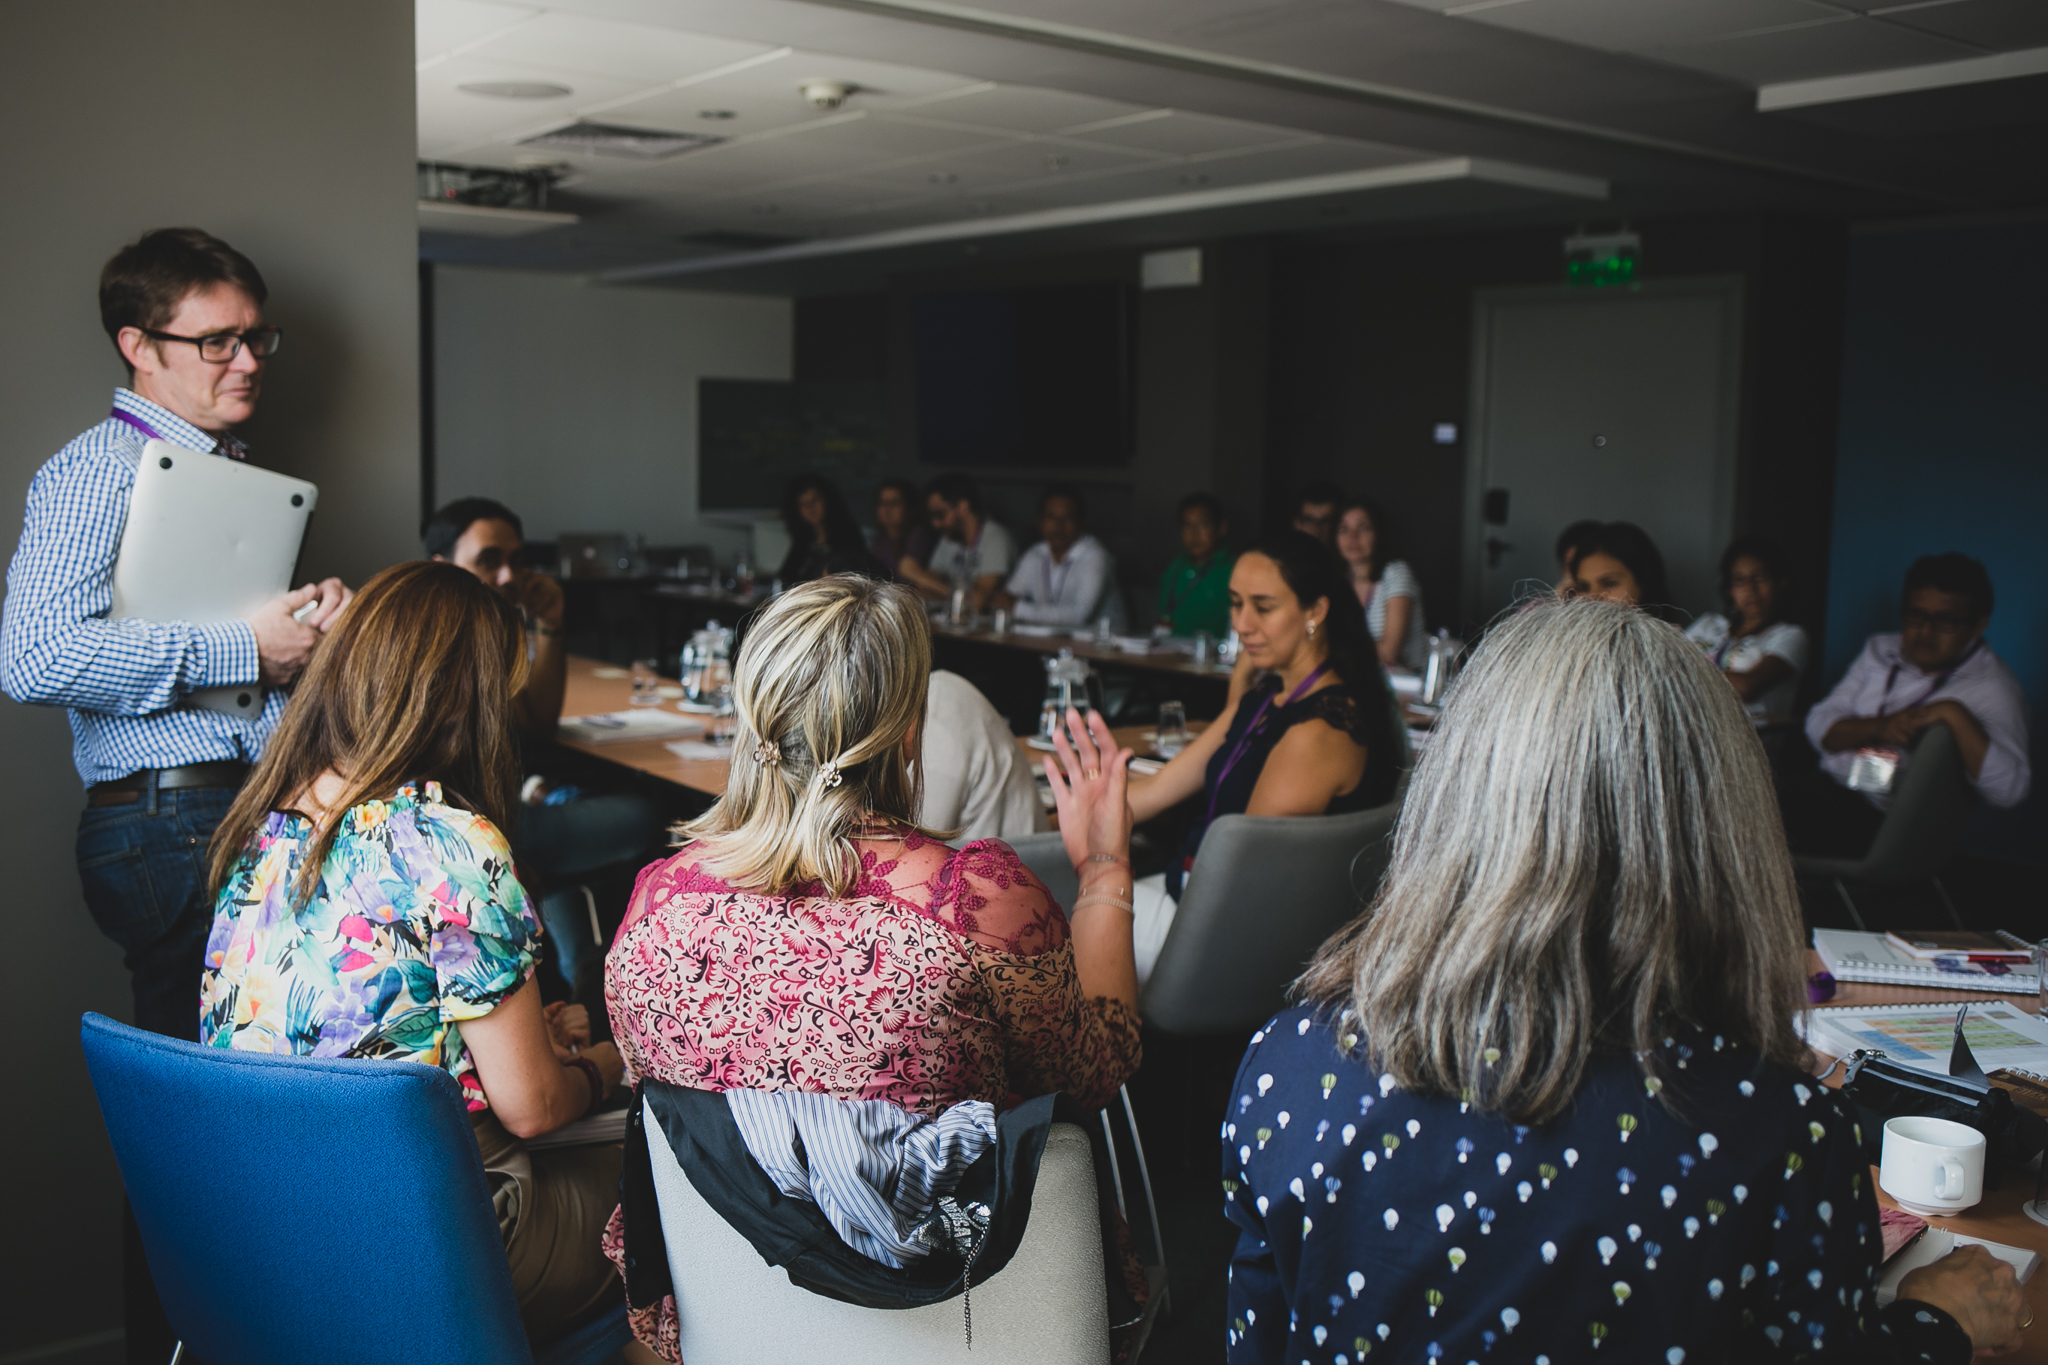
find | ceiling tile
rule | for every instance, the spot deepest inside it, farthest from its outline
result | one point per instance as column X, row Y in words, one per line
column 443, row 106
column 767, row 102
column 1023, row 109
column 439, row 25
column 1801, row 54
column 633, row 53
column 992, row 164
column 1995, row 25
column 1181, row 134
column 882, row 85
column 1635, row 25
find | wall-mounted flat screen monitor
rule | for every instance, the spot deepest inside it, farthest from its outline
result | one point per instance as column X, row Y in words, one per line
column 753, row 435
column 1025, row 378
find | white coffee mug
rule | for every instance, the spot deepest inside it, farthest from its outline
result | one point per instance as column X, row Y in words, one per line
column 1932, row 1166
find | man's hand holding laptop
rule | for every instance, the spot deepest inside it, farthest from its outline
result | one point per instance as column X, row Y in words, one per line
column 286, row 631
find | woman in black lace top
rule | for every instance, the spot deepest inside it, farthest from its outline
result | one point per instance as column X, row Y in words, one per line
column 1309, row 728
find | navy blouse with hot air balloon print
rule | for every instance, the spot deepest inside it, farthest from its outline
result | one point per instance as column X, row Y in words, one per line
column 1380, row 1225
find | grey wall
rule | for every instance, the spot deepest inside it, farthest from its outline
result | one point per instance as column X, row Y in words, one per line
column 288, row 130
column 1371, row 346
column 576, row 405
column 1199, row 400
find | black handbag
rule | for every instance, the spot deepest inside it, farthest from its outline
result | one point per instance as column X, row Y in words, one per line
column 1884, row 1089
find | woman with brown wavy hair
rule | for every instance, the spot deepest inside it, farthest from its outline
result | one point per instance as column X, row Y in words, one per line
column 366, row 906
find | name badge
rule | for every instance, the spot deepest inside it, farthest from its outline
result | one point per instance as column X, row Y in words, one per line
column 1872, row 771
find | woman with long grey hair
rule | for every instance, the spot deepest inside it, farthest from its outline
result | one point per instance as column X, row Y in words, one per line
column 1547, row 1094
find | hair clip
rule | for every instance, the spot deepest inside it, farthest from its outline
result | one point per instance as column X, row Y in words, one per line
column 767, row 753
column 829, row 774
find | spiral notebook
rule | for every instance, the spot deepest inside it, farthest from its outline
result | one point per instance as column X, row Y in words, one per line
column 1853, row 956
column 2000, row 1034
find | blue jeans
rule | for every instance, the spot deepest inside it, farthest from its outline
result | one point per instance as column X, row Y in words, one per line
column 143, row 867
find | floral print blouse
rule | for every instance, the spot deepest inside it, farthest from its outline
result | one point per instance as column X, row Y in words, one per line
column 943, row 975
column 416, row 924
column 1376, row 1224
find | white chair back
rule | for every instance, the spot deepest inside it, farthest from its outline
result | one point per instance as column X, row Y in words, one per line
column 1048, row 1306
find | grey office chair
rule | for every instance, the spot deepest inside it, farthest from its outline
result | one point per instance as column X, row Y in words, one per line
column 1263, row 895
column 1931, row 806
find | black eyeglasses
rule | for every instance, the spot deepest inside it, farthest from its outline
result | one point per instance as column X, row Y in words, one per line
column 221, row 347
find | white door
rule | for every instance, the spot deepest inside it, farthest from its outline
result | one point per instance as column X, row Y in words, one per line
column 1612, row 405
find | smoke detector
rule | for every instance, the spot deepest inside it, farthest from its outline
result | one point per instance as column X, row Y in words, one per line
column 826, row 94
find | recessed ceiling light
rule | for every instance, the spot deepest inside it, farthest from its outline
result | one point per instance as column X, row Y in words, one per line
column 716, row 113
column 516, row 90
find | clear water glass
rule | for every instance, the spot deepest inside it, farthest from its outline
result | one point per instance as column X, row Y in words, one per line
column 646, row 683
column 2041, row 976
column 1172, row 732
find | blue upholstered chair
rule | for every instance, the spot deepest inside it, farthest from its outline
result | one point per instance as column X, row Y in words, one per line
column 312, row 1210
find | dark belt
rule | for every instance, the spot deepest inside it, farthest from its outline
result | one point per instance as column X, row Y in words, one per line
column 126, row 791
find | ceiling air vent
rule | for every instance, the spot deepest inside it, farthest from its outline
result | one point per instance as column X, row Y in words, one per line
column 609, row 139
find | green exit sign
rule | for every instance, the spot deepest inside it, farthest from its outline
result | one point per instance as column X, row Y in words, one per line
column 1601, row 261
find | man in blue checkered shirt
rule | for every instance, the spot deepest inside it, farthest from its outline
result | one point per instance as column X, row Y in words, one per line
column 186, row 312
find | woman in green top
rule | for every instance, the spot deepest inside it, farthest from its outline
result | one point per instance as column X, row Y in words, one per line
column 1194, row 592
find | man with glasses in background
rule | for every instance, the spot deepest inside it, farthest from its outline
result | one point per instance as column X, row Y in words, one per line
column 565, row 839
column 1937, row 670
column 1316, row 513
column 185, row 310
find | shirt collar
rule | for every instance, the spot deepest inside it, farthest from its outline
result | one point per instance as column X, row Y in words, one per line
column 1891, row 652
column 176, row 429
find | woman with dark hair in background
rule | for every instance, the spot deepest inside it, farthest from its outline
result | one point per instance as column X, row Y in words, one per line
column 1618, row 562
column 1309, row 726
column 366, row 906
column 824, row 536
column 1756, row 649
column 902, row 531
column 1570, row 541
column 1385, row 586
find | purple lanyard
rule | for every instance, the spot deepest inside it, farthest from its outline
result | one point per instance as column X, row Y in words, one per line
column 145, row 428
column 1884, row 702
column 1246, row 738
column 224, row 446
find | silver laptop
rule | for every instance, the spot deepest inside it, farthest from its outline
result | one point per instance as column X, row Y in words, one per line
column 208, row 539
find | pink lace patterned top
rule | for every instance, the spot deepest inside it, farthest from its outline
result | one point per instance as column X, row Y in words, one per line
column 944, row 975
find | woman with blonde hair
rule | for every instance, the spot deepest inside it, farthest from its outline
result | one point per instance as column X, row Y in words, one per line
column 812, row 937
column 366, row 906
column 1547, row 1094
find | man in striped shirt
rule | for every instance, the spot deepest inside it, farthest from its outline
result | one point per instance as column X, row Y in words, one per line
column 185, row 310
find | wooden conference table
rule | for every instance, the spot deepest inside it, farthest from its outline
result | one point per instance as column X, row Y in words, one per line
column 596, row 688
column 2001, row 1216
